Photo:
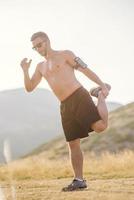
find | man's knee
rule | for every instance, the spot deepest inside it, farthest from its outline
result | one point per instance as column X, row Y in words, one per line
column 99, row 126
column 74, row 143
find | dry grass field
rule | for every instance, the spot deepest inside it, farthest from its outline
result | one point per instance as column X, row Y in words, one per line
column 109, row 177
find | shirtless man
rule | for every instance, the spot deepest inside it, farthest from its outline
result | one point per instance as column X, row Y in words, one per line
column 79, row 114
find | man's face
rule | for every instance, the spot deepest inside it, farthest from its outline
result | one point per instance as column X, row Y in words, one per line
column 39, row 44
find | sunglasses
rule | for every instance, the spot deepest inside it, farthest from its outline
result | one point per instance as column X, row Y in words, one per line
column 37, row 46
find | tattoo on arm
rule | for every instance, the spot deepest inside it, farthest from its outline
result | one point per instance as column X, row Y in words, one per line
column 79, row 63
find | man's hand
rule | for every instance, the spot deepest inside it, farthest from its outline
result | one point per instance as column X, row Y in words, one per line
column 105, row 91
column 25, row 64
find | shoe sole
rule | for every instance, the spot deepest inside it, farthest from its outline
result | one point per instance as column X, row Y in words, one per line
column 78, row 189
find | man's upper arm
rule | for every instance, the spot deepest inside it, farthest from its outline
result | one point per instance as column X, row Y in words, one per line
column 75, row 61
column 36, row 78
column 70, row 57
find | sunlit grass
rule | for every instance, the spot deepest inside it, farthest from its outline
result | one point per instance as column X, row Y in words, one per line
column 107, row 165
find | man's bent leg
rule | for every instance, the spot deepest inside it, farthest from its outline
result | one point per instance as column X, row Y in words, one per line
column 76, row 158
column 102, row 124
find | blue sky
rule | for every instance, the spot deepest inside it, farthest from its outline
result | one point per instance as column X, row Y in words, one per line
column 99, row 31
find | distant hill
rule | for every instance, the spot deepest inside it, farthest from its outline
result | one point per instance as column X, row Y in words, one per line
column 118, row 137
column 113, row 105
column 30, row 119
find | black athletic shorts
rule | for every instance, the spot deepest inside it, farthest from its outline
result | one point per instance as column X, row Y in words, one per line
column 78, row 113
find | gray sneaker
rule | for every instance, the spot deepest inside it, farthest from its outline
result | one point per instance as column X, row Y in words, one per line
column 95, row 91
column 75, row 185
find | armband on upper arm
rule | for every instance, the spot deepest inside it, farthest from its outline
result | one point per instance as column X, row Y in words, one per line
column 79, row 63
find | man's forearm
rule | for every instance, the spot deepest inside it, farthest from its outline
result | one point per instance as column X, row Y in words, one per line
column 92, row 76
column 27, row 81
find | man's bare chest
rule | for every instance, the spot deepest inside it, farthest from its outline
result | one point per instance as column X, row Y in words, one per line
column 53, row 67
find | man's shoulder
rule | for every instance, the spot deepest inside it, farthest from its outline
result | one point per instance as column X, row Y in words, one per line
column 39, row 65
column 68, row 53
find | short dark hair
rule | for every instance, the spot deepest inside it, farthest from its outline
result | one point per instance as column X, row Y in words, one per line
column 39, row 34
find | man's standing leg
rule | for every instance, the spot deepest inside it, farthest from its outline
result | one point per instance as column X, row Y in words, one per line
column 76, row 157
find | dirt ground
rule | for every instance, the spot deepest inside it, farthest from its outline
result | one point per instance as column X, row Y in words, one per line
column 110, row 189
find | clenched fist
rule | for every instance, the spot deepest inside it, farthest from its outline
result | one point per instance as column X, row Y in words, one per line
column 25, row 64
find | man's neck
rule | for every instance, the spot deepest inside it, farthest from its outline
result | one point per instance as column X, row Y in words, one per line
column 50, row 54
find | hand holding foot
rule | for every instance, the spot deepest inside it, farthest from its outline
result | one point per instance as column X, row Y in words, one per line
column 105, row 90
